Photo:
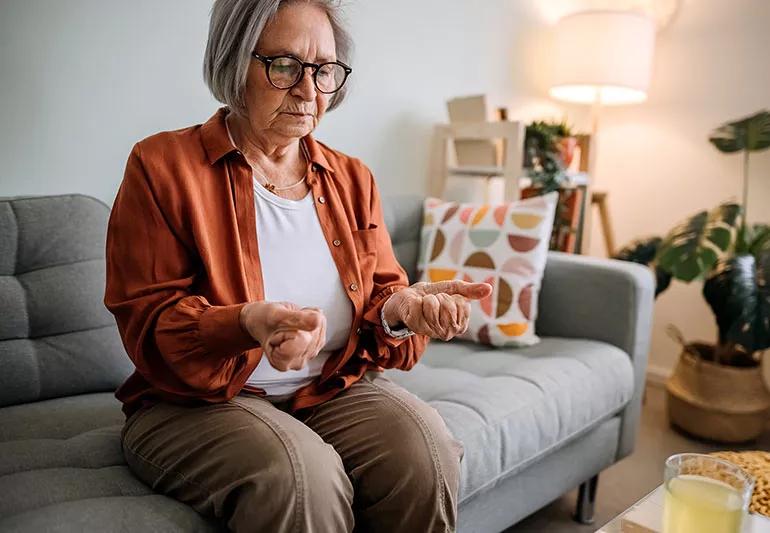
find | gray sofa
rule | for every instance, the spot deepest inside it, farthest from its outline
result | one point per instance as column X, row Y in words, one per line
column 535, row 422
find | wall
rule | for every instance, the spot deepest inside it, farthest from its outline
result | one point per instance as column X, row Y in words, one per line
column 83, row 80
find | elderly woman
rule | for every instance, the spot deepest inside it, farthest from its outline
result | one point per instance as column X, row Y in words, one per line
column 257, row 293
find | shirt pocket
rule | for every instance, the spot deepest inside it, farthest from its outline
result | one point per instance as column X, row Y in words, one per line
column 365, row 241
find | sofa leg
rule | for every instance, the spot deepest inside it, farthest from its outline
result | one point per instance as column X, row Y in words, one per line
column 584, row 513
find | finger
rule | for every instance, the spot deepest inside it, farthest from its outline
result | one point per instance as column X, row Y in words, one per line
column 320, row 339
column 276, row 352
column 462, row 313
column 447, row 313
column 298, row 348
column 474, row 291
column 306, row 350
column 302, row 319
column 293, row 349
column 430, row 310
column 319, row 335
column 462, row 305
column 460, row 316
column 466, row 312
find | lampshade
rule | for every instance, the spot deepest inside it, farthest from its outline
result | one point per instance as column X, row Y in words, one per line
column 603, row 57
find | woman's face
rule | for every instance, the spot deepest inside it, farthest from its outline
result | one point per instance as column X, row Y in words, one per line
column 302, row 30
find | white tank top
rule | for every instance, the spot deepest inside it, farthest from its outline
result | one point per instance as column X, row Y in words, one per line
column 297, row 267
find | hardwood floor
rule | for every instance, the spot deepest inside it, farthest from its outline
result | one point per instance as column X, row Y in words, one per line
column 627, row 481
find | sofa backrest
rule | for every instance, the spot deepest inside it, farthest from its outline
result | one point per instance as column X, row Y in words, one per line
column 403, row 218
column 56, row 337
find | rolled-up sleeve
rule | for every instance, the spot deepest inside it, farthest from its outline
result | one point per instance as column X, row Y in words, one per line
column 389, row 277
column 178, row 341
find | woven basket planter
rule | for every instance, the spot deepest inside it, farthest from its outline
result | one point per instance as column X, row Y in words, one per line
column 717, row 402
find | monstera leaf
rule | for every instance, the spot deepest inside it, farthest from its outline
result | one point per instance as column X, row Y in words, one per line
column 738, row 291
column 643, row 251
column 760, row 239
column 750, row 133
column 692, row 248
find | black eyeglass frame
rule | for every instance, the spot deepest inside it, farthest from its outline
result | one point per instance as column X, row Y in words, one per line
column 268, row 60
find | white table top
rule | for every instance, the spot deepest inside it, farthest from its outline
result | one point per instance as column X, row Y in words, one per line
column 646, row 516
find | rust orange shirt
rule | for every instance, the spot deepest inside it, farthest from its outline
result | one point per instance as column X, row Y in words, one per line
column 182, row 260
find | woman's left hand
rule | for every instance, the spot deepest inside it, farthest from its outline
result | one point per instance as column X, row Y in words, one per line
column 439, row 310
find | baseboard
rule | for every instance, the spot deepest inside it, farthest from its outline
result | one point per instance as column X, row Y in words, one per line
column 657, row 376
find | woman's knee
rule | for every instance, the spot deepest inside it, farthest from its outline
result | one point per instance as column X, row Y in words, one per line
column 290, row 483
column 424, row 457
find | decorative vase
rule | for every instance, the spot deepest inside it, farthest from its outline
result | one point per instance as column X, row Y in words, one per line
column 716, row 402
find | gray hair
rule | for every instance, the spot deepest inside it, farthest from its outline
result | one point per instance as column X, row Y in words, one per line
column 234, row 30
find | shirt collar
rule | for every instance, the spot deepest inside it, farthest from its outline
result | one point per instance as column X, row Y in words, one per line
column 217, row 144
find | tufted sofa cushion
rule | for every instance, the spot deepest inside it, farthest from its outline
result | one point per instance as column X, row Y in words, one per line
column 56, row 336
column 62, row 469
column 511, row 407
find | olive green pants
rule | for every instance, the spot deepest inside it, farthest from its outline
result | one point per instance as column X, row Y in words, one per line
column 373, row 459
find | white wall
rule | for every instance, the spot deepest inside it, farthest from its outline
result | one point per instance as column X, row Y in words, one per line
column 412, row 56
column 82, row 80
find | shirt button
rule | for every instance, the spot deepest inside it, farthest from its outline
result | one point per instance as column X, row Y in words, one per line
column 336, row 242
column 321, row 199
column 353, row 287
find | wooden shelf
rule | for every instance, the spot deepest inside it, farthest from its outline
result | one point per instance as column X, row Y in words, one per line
column 574, row 179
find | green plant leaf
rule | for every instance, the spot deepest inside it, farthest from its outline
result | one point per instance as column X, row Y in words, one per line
column 760, row 240
column 750, row 133
column 738, row 291
column 742, row 240
column 721, row 237
column 643, row 252
column 692, row 248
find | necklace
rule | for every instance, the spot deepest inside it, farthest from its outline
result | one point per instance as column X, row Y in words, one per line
column 271, row 186
column 267, row 185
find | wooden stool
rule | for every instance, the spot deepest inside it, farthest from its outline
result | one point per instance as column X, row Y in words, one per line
column 599, row 198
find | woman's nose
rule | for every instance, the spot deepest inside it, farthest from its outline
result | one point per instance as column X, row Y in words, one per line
column 306, row 88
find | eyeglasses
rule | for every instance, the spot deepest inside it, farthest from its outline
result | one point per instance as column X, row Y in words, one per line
column 284, row 72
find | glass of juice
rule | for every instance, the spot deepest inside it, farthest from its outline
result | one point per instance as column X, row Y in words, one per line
column 704, row 495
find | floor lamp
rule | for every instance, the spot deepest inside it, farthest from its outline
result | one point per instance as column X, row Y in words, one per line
column 602, row 58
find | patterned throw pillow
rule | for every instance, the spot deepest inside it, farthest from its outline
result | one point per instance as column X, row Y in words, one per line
column 504, row 245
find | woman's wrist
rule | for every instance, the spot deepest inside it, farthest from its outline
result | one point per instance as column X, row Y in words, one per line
column 391, row 321
column 247, row 320
column 390, row 313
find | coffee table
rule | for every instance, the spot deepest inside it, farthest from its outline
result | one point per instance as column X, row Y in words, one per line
column 646, row 516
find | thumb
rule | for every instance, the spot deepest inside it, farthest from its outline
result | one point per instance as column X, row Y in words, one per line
column 474, row 291
column 303, row 319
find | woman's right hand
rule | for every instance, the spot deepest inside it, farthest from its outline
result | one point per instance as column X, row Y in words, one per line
column 290, row 336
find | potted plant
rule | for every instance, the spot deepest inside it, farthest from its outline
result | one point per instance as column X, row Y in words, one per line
column 716, row 390
column 548, row 150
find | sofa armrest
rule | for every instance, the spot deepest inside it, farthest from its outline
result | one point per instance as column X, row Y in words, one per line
column 605, row 300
